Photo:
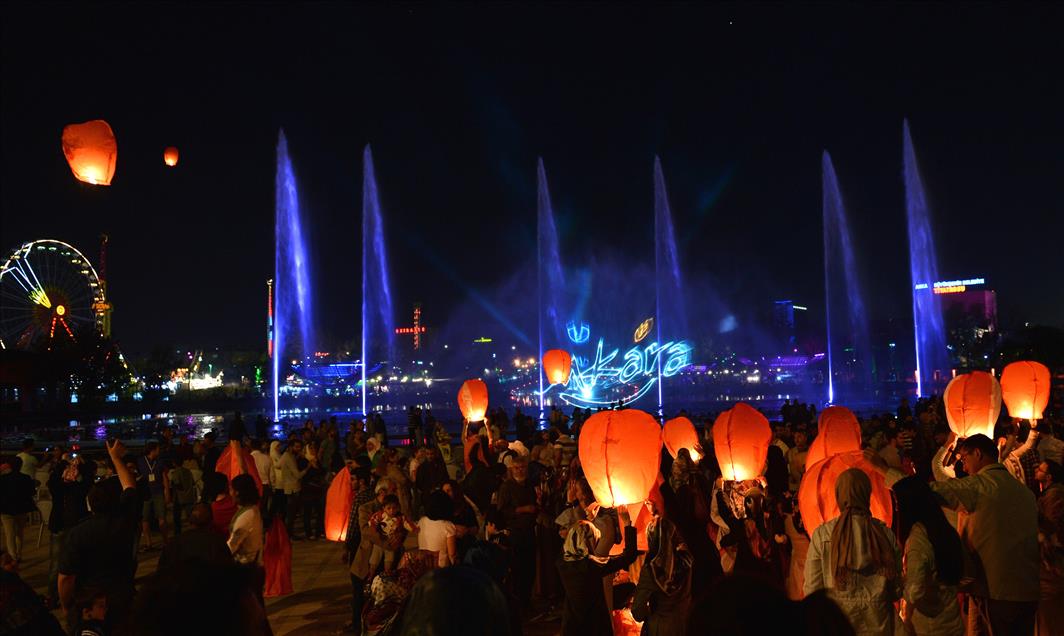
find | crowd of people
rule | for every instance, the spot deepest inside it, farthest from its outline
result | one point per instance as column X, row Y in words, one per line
column 501, row 532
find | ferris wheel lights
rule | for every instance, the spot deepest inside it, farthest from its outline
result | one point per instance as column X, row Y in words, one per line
column 61, row 310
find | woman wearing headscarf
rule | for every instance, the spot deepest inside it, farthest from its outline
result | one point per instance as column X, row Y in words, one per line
column 932, row 564
column 1051, row 577
column 663, row 595
column 585, row 612
column 856, row 559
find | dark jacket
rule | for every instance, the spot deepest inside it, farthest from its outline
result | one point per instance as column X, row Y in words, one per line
column 68, row 497
column 198, row 544
column 661, row 614
column 585, row 612
column 16, row 494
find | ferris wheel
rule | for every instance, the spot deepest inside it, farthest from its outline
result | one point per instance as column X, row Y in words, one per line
column 49, row 292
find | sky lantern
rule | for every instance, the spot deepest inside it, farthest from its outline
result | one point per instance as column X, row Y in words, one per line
column 816, row 494
column 620, row 452
column 229, row 464
column 170, row 156
column 473, row 400
column 557, row 364
column 741, row 436
column 338, row 506
column 837, row 432
column 680, row 433
column 91, row 150
column 1025, row 389
column 973, row 403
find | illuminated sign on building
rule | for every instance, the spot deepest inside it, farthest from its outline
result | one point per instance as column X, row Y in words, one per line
column 951, row 285
column 402, row 331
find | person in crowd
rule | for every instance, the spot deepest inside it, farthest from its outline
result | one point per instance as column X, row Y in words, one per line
column 312, row 493
column 362, row 491
column 182, row 491
column 796, row 459
column 360, row 570
column 436, row 532
column 890, row 452
column 22, row 611
column 264, row 467
column 465, row 515
column 155, row 479
column 98, row 552
column 1050, row 616
column 663, row 595
column 198, row 543
column 278, row 507
column 246, row 535
column 211, row 452
column 16, row 503
column 29, row 460
column 1048, row 474
column 391, row 527
column 856, row 559
column 518, row 504
column 68, row 484
column 223, row 506
column 431, row 473
column 92, row 609
column 291, row 482
column 585, row 612
column 932, row 562
column 462, row 592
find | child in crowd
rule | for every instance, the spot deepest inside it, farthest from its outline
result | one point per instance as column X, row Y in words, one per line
column 93, row 609
column 391, row 527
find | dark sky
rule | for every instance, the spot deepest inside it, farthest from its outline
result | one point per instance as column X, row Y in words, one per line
column 739, row 101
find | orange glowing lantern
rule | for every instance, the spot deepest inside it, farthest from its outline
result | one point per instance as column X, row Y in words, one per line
column 338, row 506
column 620, row 452
column 170, row 156
column 816, row 494
column 557, row 364
column 91, row 151
column 229, row 464
column 973, row 403
column 837, row 432
column 473, row 400
column 680, row 433
column 1025, row 389
column 741, row 436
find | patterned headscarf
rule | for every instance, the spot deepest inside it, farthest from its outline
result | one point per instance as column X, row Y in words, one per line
column 668, row 557
column 857, row 544
column 580, row 542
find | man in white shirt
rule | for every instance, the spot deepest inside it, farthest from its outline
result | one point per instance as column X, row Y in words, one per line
column 264, row 465
column 290, row 481
column 29, row 462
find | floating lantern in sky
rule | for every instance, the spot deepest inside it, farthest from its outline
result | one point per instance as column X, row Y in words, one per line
column 557, row 364
column 91, row 150
column 620, row 452
column 741, row 437
column 1025, row 389
column 680, row 433
column 816, row 494
column 973, row 403
column 170, row 156
column 837, row 432
column 473, row 400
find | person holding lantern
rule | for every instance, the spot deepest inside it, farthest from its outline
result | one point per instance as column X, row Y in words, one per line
column 663, row 595
column 856, row 559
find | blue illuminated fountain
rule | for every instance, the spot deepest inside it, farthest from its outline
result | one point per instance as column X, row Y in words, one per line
column 844, row 304
column 928, row 329
column 670, row 309
column 293, row 312
column 378, row 327
column 550, row 282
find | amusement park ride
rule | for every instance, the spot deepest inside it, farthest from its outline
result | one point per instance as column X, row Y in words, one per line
column 50, row 293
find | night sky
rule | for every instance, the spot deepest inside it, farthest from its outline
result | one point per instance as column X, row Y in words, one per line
column 739, row 102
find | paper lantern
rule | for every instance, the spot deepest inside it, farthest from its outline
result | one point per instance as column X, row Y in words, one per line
column 229, row 464
column 837, row 432
column 1025, row 389
column 680, row 433
column 338, row 506
column 170, row 156
column 741, row 436
column 473, row 400
column 816, row 494
column 557, row 364
column 973, row 403
column 91, row 151
column 620, row 452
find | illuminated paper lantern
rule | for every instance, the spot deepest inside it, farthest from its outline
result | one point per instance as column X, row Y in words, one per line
column 170, row 156
column 973, row 403
column 91, row 150
column 837, row 432
column 680, row 433
column 557, row 364
column 338, row 506
column 1025, row 389
column 741, row 437
column 816, row 494
column 620, row 452
column 229, row 464
column 473, row 400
